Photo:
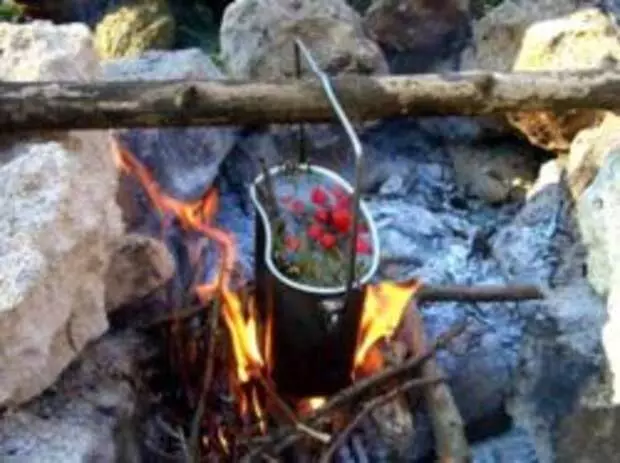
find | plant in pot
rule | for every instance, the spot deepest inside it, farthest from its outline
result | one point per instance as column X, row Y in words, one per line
column 311, row 262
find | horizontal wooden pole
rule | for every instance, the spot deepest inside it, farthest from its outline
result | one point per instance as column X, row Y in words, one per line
column 63, row 105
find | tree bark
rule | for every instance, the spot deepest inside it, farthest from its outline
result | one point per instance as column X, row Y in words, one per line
column 64, row 105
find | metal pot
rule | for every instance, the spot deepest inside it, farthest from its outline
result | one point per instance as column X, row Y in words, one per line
column 314, row 329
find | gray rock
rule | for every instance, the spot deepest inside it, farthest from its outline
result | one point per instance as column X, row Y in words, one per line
column 58, row 220
column 589, row 431
column 599, row 219
column 78, row 421
column 256, row 38
column 184, row 161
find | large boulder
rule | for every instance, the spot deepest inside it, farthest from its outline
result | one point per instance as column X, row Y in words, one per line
column 184, row 161
column 498, row 34
column 132, row 28
column 560, row 349
column 257, row 38
column 58, row 219
column 589, row 432
column 417, row 33
column 588, row 151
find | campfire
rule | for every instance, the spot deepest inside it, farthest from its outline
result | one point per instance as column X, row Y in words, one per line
column 303, row 350
column 245, row 353
column 293, row 363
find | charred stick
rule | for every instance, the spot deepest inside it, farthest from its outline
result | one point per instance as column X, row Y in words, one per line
column 287, row 437
column 289, row 414
column 194, row 439
column 447, row 423
column 368, row 407
column 482, row 293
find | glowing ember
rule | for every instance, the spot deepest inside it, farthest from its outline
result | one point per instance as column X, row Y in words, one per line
column 382, row 312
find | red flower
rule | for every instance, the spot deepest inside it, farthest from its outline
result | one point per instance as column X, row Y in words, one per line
column 362, row 246
column 292, row 243
column 328, row 240
column 297, row 207
column 341, row 218
column 318, row 196
column 314, row 231
column 321, row 215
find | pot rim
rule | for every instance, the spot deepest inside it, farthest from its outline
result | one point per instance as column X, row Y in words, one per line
column 374, row 236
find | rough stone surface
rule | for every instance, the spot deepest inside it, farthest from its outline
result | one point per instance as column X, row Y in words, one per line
column 501, row 172
column 582, row 40
column 429, row 229
column 139, row 265
column 599, row 221
column 81, row 418
column 133, row 28
column 58, row 219
column 184, row 161
column 560, row 349
column 256, row 38
column 497, row 36
column 588, row 151
column 420, row 32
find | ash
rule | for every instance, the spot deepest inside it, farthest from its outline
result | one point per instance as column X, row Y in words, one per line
column 432, row 227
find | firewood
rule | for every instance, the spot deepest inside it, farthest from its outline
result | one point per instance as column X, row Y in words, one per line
column 448, row 428
column 97, row 105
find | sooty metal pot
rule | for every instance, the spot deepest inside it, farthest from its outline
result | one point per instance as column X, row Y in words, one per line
column 314, row 329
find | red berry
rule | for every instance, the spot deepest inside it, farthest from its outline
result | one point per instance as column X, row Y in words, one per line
column 321, row 215
column 343, row 202
column 292, row 243
column 298, row 207
column 328, row 240
column 362, row 246
column 318, row 196
column 341, row 218
column 314, row 231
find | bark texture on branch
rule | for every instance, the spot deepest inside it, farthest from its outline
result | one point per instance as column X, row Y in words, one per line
column 451, row 444
column 65, row 105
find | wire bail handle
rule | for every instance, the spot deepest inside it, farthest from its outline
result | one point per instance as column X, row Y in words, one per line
column 358, row 151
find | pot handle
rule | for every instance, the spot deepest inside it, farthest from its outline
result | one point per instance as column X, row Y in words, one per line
column 358, row 151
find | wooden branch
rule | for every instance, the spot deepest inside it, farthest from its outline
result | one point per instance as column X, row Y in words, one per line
column 368, row 407
column 448, row 428
column 289, row 436
column 65, row 105
column 482, row 293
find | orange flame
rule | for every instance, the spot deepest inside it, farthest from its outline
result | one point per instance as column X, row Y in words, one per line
column 198, row 216
column 382, row 313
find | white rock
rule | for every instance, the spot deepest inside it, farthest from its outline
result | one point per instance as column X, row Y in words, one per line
column 58, row 218
column 256, row 38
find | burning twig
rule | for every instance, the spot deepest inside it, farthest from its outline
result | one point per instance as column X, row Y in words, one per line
column 194, row 438
column 369, row 406
column 287, row 437
column 486, row 293
column 446, row 419
column 290, row 414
